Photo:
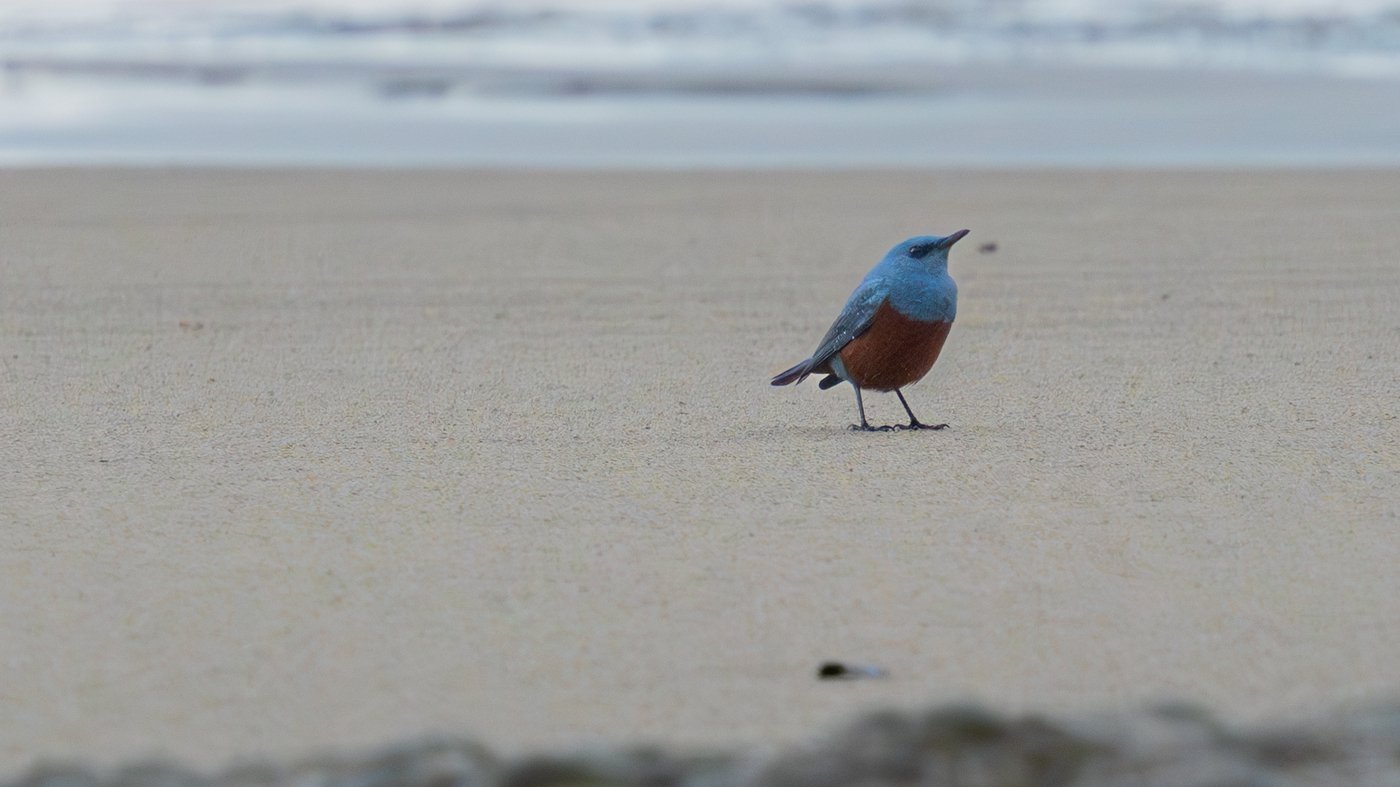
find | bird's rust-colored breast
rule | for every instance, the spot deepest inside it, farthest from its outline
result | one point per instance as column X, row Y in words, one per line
column 895, row 351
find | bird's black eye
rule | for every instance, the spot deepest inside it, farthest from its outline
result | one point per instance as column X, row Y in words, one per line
column 913, row 250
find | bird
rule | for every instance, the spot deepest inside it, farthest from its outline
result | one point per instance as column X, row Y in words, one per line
column 892, row 328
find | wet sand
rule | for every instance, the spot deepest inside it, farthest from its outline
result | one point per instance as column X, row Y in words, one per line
column 305, row 460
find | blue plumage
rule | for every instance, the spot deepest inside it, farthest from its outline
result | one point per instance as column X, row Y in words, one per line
column 914, row 276
column 912, row 279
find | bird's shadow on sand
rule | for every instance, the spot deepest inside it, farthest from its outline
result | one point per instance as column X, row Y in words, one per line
column 852, row 431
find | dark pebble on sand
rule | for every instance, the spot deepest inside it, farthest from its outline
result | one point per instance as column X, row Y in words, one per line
column 835, row 670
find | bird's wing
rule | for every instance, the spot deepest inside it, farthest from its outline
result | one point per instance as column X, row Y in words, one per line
column 854, row 320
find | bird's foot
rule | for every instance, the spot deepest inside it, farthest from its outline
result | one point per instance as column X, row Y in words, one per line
column 869, row 428
column 916, row 425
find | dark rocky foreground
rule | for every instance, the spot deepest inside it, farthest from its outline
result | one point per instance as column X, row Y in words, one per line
column 959, row 746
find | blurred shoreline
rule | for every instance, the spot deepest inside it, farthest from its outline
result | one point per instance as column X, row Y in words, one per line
column 981, row 116
column 677, row 85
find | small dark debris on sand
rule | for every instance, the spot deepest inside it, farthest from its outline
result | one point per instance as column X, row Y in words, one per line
column 1180, row 746
column 836, row 670
column 987, row 248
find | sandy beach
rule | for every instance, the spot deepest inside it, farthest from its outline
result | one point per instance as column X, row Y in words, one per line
column 298, row 460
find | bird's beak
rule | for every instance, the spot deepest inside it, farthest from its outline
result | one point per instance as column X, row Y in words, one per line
column 954, row 238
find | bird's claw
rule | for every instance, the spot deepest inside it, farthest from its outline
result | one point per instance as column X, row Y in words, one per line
column 917, row 425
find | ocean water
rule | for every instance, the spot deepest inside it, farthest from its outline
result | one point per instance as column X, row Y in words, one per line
column 683, row 83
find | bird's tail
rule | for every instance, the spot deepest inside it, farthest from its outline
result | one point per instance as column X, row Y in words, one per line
column 796, row 374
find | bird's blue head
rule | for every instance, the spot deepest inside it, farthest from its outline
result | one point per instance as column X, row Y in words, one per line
column 930, row 248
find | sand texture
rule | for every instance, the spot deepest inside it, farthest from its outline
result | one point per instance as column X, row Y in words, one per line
column 296, row 461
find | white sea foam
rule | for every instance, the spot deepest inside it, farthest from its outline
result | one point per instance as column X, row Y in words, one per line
column 153, row 38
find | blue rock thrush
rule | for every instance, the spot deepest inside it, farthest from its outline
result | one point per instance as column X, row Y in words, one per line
column 892, row 328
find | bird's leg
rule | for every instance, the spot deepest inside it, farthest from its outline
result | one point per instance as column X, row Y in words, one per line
column 864, row 425
column 914, row 422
